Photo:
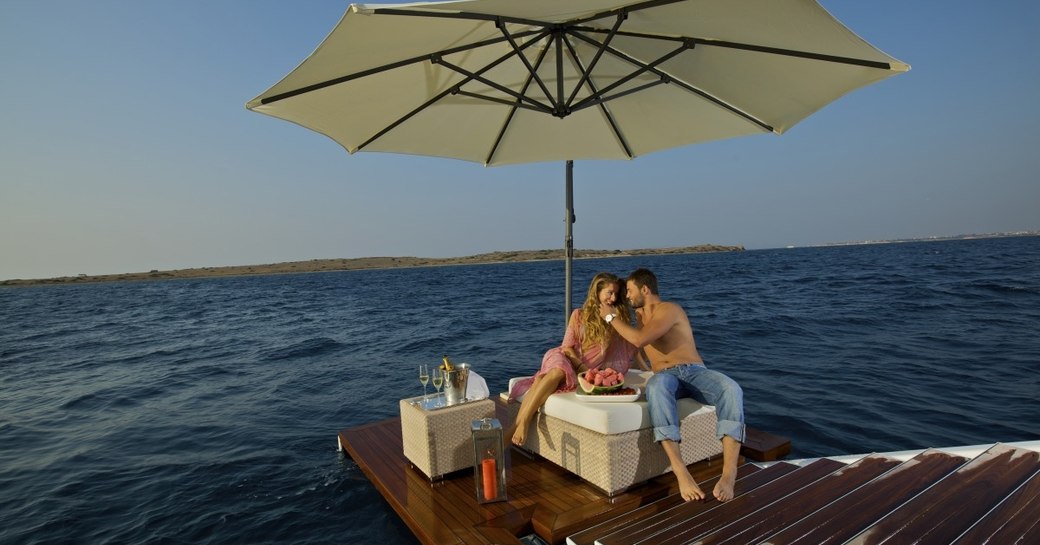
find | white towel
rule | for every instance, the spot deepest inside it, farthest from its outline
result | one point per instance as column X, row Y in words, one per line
column 476, row 387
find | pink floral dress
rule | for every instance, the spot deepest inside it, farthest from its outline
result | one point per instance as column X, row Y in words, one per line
column 618, row 355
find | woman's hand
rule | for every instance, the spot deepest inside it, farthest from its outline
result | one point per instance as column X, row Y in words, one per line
column 574, row 358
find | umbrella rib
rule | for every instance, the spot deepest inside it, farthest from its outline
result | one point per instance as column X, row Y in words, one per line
column 439, row 96
column 795, row 53
column 523, row 58
column 642, row 68
column 558, row 35
column 512, row 111
column 404, row 118
column 625, row 10
column 750, row 47
column 603, row 99
column 390, row 66
column 585, row 72
column 465, row 15
column 707, row 96
column 474, row 16
column 501, row 101
column 603, row 107
column 765, row 126
column 472, row 76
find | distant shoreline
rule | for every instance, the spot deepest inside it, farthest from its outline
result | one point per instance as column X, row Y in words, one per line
column 368, row 263
column 932, row 239
column 363, row 263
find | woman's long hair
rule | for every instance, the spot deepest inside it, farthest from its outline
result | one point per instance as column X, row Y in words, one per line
column 597, row 331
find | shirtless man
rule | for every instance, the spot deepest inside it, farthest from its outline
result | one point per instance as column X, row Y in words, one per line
column 665, row 334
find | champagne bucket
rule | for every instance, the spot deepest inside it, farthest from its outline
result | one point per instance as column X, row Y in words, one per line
column 455, row 384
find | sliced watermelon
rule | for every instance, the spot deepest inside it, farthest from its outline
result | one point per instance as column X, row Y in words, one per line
column 591, row 389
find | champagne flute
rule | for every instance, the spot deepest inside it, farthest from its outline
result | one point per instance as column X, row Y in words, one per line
column 438, row 380
column 424, row 378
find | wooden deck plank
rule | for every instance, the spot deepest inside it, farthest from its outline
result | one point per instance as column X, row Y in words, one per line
column 762, row 446
column 839, row 521
column 555, row 526
column 416, row 497
column 1015, row 520
column 709, row 521
column 365, row 445
column 636, row 516
column 541, row 497
column 984, row 482
column 933, row 498
column 605, row 508
column 681, row 512
column 764, row 522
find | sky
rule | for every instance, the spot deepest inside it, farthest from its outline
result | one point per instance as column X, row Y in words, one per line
column 125, row 146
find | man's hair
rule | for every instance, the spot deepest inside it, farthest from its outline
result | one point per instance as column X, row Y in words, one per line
column 643, row 277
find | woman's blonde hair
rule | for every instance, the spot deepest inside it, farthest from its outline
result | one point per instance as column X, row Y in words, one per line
column 597, row 331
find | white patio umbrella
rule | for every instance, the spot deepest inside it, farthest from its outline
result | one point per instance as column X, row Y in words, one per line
column 514, row 81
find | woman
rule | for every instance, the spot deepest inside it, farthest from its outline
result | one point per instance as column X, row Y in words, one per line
column 589, row 343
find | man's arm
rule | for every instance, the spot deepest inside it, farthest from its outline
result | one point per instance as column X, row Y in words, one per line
column 663, row 319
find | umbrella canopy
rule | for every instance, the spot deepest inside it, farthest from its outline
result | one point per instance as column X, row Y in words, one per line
column 516, row 81
column 506, row 81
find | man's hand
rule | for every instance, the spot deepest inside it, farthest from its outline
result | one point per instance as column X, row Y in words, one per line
column 605, row 309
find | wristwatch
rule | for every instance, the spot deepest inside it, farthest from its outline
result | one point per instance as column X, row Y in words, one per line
column 609, row 317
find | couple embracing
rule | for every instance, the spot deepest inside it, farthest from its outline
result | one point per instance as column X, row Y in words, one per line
column 600, row 334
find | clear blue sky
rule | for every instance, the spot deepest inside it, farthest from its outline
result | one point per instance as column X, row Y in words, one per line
column 125, row 146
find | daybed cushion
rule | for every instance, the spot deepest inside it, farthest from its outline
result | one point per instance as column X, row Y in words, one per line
column 611, row 418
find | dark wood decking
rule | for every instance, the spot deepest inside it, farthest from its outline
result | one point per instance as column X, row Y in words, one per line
column 542, row 497
column 932, row 498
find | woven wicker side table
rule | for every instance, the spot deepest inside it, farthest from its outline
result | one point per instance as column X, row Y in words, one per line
column 439, row 441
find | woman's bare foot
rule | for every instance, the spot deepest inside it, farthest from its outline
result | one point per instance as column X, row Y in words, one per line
column 724, row 488
column 520, row 434
column 688, row 488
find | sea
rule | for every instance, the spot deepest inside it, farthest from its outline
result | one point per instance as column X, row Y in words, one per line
column 205, row 411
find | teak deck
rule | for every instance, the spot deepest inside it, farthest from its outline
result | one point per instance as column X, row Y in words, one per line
column 542, row 497
column 935, row 497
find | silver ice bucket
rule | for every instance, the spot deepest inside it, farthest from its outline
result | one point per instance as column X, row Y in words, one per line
column 455, row 384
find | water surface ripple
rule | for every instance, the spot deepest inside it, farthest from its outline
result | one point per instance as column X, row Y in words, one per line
column 205, row 411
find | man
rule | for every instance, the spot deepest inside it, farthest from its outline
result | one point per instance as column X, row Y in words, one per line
column 665, row 334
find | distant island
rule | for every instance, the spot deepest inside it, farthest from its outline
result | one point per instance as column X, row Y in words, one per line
column 350, row 264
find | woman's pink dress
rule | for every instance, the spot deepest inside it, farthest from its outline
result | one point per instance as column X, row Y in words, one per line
column 618, row 355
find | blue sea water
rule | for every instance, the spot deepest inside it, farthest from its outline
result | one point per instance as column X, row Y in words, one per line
column 206, row 411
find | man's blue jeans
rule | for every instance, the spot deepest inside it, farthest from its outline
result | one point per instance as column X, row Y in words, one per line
column 703, row 385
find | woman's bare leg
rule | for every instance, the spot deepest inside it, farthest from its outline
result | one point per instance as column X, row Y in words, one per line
column 543, row 387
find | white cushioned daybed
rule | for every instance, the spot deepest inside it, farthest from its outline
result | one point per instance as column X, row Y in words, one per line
column 611, row 444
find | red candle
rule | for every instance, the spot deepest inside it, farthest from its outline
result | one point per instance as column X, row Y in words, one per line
column 487, row 468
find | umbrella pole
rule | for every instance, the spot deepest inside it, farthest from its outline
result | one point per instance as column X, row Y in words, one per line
column 568, row 243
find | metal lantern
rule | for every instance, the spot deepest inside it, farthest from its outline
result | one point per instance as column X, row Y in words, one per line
column 489, row 467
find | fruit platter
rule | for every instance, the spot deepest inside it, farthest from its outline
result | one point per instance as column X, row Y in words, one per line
column 604, row 386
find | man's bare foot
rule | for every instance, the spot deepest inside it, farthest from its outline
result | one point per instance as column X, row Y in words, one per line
column 724, row 488
column 688, row 488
